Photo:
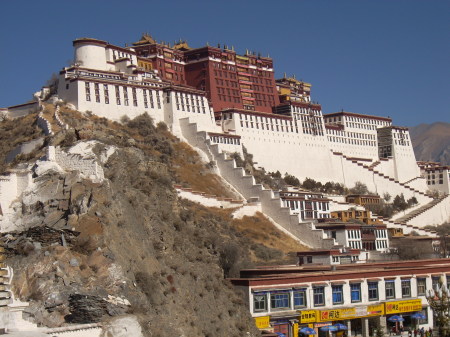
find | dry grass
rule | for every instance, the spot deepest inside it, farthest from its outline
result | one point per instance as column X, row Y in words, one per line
column 49, row 115
column 260, row 230
column 185, row 164
column 14, row 132
column 191, row 172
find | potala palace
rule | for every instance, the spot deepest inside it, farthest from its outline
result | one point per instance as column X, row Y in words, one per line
column 221, row 102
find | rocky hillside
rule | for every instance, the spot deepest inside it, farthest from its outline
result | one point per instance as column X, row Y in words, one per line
column 431, row 142
column 88, row 251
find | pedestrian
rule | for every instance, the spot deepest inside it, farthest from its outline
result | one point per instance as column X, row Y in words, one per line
column 431, row 331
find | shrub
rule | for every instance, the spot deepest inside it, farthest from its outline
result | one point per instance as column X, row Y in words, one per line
column 143, row 124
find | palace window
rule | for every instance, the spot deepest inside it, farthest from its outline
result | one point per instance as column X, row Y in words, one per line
column 355, row 291
column 117, row 95
column 88, row 91
column 406, row 288
column 421, row 286
column 390, row 289
column 158, row 100
column 145, row 98
column 373, row 291
column 337, row 294
column 150, row 93
column 259, row 302
column 280, row 300
column 106, row 93
column 97, row 92
column 319, row 296
column 125, row 95
column 133, row 91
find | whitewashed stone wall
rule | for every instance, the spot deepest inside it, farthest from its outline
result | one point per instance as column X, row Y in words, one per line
column 207, row 200
column 44, row 124
column 88, row 167
column 11, row 187
column 24, row 148
column 23, row 109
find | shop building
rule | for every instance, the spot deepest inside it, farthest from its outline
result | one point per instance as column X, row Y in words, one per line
column 308, row 205
column 284, row 299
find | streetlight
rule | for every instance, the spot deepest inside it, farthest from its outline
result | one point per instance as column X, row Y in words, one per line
column 439, row 300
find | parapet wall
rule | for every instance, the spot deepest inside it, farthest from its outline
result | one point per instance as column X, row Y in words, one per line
column 88, row 167
column 44, row 124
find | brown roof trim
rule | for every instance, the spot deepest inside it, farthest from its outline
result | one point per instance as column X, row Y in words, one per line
column 257, row 113
column 90, row 41
column 338, row 282
column 352, row 114
column 21, row 105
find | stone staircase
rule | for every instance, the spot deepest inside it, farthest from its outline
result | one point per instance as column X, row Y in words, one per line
column 271, row 204
column 407, row 228
column 411, row 180
column 408, row 217
column 372, row 166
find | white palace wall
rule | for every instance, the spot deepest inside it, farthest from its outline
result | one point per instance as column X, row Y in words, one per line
column 290, row 152
column 386, row 166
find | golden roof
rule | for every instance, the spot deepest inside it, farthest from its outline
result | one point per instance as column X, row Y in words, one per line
column 145, row 39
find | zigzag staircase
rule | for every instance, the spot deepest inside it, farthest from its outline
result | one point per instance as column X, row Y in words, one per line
column 271, row 204
column 411, row 215
column 404, row 186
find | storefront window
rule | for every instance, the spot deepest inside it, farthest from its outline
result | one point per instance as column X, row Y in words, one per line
column 390, row 289
column 337, row 294
column 259, row 302
column 279, row 300
column 406, row 288
column 319, row 296
column 299, row 298
column 373, row 291
column 355, row 292
column 421, row 286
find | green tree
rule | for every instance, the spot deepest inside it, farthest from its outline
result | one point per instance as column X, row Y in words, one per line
column 400, row 203
column 359, row 188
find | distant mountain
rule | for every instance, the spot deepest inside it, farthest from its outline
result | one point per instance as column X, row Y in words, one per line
column 431, row 142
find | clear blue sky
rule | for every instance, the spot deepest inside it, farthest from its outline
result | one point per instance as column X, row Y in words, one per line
column 381, row 57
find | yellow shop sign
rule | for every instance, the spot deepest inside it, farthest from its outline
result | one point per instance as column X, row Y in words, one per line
column 262, row 322
column 308, row 316
column 403, row 306
column 349, row 313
